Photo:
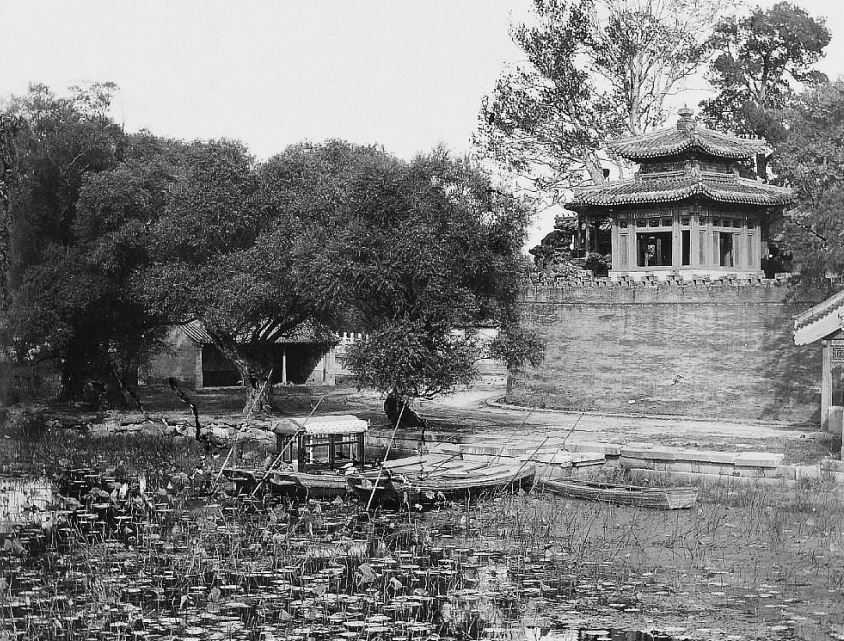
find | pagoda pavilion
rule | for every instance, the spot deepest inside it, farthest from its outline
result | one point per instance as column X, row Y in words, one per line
column 694, row 208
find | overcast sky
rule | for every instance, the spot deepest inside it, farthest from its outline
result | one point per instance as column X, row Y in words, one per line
column 407, row 75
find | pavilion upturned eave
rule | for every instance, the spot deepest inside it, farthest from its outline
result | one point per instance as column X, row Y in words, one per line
column 672, row 142
column 735, row 191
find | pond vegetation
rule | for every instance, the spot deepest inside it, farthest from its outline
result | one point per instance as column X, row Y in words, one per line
column 135, row 538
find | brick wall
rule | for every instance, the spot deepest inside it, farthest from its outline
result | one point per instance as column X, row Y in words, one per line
column 700, row 350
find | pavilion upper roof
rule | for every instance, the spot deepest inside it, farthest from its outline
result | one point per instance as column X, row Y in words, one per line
column 722, row 188
column 687, row 136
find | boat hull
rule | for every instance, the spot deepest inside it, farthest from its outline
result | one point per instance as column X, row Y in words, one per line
column 401, row 491
column 289, row 484
column 661, row 498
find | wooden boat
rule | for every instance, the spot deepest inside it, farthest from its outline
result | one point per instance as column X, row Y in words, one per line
column 314, row 455
column 426, row 480
column 288, row 483
column 662, row 498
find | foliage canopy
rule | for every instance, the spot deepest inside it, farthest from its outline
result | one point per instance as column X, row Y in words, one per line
column 811, row 161
column 761, row 60
column 115, row 237
column 595, row 69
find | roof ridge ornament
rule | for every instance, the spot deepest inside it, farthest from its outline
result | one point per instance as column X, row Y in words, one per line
column 686, row 122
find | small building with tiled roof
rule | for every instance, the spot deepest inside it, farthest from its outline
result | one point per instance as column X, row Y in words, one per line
column 694, row 207
column 305, row 355
column 824, row 323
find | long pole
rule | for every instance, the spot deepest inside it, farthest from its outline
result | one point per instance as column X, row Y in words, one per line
column 572, row 429
column 381, row 469
column 501, row 450
column 527, row 460
column 281, row 453
column 260, row 394
column 223, row 467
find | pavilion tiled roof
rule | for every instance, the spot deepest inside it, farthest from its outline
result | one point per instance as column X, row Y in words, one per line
column 678, row 140
column 723, row 188
column 821, row 320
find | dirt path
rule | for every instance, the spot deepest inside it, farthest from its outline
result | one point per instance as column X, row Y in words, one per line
column 477, row 410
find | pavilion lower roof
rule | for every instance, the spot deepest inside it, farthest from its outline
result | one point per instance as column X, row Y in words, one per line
column 673, row 142
column 730, row 190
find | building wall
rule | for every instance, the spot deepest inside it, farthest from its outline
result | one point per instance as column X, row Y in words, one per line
column 181, row 358
column 697, row 350
column 196, row 366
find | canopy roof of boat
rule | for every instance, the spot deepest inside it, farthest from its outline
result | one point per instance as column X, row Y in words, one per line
column 321, row 425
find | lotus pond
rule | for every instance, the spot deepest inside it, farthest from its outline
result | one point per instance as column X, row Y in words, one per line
column 135, row 538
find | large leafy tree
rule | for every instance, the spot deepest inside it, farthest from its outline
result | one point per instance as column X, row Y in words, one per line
column 761, row 60
column 9, row 128
column 60, row 141
column 595, row 68
column 415, row 251
column 811, row 161
column 61, row 308
column 77, row 306
column 223, row 254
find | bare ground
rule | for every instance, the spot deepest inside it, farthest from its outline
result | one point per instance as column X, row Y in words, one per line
column 476, row 411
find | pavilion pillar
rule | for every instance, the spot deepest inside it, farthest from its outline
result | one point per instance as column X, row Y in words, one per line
column 632, row 257
column 826, row 385
column 708, row 241
column 694, row 241
column 676, row 243
column 756, row 245
column 284, row 365
column 615, row 243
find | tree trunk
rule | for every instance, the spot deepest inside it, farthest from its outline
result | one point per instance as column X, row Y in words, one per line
column 125, row 372
column 258, row 393
column 393, row 409
column 593, row 166
column 254, row 376
column 99, row 390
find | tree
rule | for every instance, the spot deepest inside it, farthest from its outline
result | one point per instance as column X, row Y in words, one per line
column 811, row 161
column 9, row 128
column 417, row 251
column 77, row 306
column 596, row 68
column 56, row 145
column 223, row 253
column 61, row 140
column 761, row 59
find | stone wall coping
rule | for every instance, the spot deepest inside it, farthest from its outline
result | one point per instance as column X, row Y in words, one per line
column 673, row 283
column 697, row 283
